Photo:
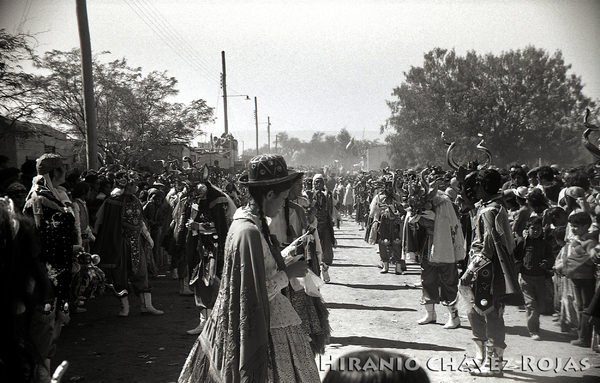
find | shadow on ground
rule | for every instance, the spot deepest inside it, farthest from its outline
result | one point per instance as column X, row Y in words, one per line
column 353, row 306
column 366, row 341
column 376, row 287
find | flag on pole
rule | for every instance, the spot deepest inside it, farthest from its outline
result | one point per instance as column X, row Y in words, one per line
column 350, row 144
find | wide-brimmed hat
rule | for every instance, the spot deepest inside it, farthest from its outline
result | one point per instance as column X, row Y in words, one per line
column 48, row 162
column 268, row 169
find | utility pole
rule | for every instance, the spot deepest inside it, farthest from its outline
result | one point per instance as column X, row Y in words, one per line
column 224, row 84
column 256, row 120
column 269, row 132
column 91, row 137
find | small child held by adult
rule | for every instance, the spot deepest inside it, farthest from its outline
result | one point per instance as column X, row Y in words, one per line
column 533, row 255
column 578, row 266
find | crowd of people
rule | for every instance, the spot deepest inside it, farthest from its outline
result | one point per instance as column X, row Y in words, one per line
column 253, row 249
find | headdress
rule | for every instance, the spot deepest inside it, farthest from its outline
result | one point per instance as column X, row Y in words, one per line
column 124, row 177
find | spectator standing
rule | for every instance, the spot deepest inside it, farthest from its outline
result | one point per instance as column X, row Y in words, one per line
column 534, row 258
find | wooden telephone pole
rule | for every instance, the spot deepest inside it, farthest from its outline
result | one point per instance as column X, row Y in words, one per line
column 91, row 137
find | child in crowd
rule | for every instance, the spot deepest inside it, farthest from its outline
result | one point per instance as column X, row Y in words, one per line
column 554, row 231
column 577, row 265
column 533, row 255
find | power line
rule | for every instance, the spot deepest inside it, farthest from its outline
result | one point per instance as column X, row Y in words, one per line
column 155, row 15
column 177, row 38
column 167, row 40
column 26, row 11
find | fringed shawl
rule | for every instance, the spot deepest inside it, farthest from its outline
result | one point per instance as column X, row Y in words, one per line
column 235, row 340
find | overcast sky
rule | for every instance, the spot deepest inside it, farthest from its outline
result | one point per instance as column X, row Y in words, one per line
column 313, row 65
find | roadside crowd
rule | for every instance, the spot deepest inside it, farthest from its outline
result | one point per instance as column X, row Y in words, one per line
column 491, row 237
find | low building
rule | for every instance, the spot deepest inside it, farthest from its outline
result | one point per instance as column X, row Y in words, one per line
column 21, row 141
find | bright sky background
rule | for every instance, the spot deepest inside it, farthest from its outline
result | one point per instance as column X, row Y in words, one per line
column 319, row 65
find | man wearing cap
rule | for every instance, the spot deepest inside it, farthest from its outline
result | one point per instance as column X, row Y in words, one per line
column 46, row 204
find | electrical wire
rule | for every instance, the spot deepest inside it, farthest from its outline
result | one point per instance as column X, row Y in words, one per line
column 167, row 40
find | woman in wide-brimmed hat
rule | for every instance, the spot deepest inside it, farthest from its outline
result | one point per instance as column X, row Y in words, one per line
column 253, row 333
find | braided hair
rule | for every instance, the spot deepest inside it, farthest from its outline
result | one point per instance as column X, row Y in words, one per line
column 258, row 194
column 286, row 211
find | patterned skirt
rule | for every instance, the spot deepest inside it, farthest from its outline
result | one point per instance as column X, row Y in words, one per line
column 291, row 359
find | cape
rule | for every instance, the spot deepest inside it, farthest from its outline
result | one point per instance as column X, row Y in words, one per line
column 505, row 282
column 109, row 226
column 448, row 238
column 234, row 345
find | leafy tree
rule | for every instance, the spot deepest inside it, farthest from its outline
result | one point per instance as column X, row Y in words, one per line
column 16, row 85
column 523, row 103
column 135, row 118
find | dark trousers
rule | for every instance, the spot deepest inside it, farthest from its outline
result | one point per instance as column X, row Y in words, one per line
column 584, row 292
column 489, row 327
column 534, row 293
column 439, row 281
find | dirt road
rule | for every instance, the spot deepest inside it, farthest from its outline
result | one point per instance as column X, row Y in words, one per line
column 367, row 310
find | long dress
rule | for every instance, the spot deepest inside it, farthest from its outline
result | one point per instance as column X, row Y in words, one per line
column 253, row 333
column 311, row 309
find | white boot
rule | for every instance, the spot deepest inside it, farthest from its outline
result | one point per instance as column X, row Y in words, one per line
column 386, row 268
column 124, row 306
column 479, row 358
column 185, row 287
column 453, row 319
column 147, row 307
column 430, row 317
column 175, row 274
column 204, row 313
column 494, row 363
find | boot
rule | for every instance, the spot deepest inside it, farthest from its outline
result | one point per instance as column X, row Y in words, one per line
column 184, row 288
column 204, row 313
column 175, row 274
column 399, row 270
column 493, row 365
column 147, row 307
column 386, row 268
column 124, row 306
column 430, row 317
column 325, row 273
column 479, row 358
column 453, row 319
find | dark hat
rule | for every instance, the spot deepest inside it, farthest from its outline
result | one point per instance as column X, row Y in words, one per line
column 268, row 169
column 48, row 162
column 16, row 188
